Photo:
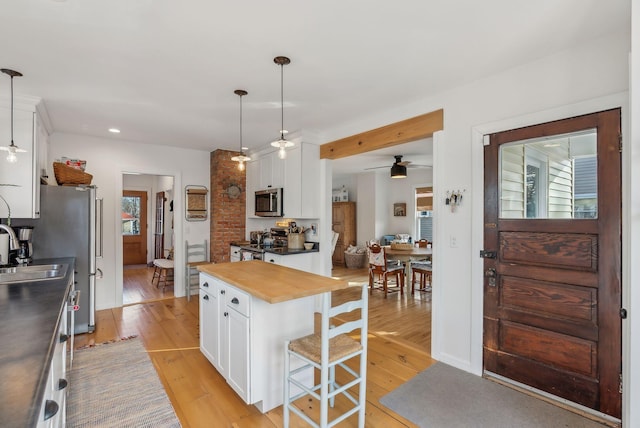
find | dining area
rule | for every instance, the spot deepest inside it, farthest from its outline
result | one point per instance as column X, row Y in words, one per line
column 401, row 266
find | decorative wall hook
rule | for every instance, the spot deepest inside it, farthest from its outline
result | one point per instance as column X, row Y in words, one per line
column 454, row 198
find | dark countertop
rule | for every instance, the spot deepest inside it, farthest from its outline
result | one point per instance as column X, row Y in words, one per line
column 30, row 314
column 285, row 251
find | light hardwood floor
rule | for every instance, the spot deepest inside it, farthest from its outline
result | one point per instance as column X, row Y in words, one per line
column 398, row 343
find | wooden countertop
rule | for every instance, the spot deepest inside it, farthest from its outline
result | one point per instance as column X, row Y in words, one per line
column 270, row 282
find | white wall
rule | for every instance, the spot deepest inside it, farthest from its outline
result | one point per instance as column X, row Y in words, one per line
column 591, row 76
column 403, row 191
column 631, row 239
column 107, row 160
column 349, row 182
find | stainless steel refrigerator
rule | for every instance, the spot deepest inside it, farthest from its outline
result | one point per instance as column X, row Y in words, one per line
column 70, row 225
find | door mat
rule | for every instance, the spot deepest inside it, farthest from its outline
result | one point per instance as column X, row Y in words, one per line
column 443, row 396
column 115, row 385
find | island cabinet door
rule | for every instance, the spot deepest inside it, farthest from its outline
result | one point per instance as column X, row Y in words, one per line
column 209, row 320
column 238, row 367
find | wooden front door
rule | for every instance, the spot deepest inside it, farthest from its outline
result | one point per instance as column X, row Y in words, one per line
column 134, row 227
column 552, row 285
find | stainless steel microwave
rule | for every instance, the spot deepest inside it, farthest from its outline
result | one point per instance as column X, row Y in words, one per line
column 269, row 203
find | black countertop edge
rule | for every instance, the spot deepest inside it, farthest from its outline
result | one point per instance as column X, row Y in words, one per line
column 37, row 343
column 285, row 251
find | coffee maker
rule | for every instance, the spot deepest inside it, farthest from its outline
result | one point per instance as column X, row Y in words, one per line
column 25, row 252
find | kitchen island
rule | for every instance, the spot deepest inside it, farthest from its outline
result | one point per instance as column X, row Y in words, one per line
column 247, row 311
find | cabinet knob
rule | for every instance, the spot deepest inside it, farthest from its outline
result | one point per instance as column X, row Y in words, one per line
column 226, row 314
column 63, row 338
column 205, row 284
column 62, row 384
column 205, row 297
column 222, row 291
column 50, row 409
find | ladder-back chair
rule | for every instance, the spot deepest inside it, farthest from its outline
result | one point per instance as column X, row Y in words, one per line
column 332, row 348
column 194, row 256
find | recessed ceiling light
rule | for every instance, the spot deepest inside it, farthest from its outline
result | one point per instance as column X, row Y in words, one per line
column 114, row 130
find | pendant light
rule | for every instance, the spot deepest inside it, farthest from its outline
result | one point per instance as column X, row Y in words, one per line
column 12, row 148
column 241, row 158
column 282, row 143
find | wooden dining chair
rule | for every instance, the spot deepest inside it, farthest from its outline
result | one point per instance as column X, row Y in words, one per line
column 421, row 272
column 380, row 269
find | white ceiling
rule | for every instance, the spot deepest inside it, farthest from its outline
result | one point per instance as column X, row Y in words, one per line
column 164, row 71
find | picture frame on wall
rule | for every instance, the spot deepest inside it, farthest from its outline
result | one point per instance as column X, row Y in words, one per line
column 400, row 209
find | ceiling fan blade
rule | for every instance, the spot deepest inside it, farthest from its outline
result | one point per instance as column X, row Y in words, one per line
column 419, row 166
column 378, row 167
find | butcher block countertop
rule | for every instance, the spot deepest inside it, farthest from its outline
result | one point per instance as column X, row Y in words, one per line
column 270, row 282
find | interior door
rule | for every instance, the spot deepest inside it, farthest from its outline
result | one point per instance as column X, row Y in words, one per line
column 158, row 232
column 552, row 236
column 134, row 227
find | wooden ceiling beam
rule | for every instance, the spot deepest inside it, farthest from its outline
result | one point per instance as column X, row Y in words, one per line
column 407, row 130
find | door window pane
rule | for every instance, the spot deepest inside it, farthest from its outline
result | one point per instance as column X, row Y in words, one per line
column 130, row 215
column 550, row 177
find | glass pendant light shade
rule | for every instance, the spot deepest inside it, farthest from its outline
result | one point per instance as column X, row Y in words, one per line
column 282, row 143
column 241, row 158
column 12, row 148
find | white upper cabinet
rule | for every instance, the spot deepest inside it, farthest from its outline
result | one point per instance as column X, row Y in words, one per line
column 302, row 182
column 20, row 181
column 298, row 175
column 271, row 171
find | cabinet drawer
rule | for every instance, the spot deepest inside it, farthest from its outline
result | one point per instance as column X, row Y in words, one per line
column 208, row 284
column 238, row 300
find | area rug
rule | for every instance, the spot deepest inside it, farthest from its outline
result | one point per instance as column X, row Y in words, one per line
column 443, row 396
column 115, row 385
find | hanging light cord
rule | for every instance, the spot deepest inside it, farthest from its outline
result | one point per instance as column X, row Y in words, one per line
column 241, row 151
column 12, row 111
column 282, row 101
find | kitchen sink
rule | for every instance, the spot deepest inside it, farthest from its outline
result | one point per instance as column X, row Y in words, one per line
column 32, row 273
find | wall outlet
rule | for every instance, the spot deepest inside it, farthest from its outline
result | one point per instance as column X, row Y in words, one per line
column 453, row 241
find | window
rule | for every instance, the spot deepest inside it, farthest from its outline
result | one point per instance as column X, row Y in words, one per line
column 550, row 177
column 424, row 213
column 131, row 215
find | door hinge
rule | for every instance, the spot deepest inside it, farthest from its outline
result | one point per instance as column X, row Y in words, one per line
column 620, row 142
column 620, row 387
column 488, row 254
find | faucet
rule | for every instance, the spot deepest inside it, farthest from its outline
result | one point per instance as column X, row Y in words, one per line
column 13, row 239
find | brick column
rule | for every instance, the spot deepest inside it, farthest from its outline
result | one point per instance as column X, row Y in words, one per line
column 227, row 214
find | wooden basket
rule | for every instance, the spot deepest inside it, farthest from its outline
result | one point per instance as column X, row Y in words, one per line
column 69, row 176
column 401, row 246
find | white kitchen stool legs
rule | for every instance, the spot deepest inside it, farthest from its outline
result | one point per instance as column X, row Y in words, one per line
column 324, row 351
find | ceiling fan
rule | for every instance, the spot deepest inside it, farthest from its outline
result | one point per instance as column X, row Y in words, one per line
column 399, row 167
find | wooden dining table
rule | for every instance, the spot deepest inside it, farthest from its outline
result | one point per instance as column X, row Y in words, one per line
column 413, row 253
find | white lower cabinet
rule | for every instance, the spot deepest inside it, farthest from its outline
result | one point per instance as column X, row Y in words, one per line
column 53, row 410
column 209, row 321
column 243, row 337
column 302, row 261
column 235, row 254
